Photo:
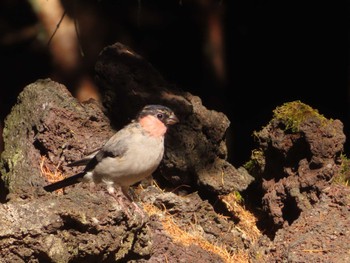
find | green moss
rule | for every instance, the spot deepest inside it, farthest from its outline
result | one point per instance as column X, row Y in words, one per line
column 11, row 162
column 256, row 162
column 343, row 177
column 238, row 197
column 292, row 114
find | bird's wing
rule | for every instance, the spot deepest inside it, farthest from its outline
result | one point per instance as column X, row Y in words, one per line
column 85, row 160
column 116, row 146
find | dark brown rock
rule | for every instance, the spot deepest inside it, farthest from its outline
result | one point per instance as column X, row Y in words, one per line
column 196, row 216
column 83, row 224
column 296, row 165
column 298, row 156
column 48, row 127
column 319, row 234
column 196, row 145
column 80, row 227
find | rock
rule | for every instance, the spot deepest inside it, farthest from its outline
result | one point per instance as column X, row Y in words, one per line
column 80, row 227
column 319, row 234
column 299, row 153
column 231, row 178
column 196, row 145
column 296, row 167
column 302, row 174
column 45, row 130
column 83, row 224
column 190, row 221
column 48, row 128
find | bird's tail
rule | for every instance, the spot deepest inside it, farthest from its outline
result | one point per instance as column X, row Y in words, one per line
column 65, row 182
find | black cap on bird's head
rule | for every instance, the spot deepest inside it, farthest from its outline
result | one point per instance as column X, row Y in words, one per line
column 163, row 113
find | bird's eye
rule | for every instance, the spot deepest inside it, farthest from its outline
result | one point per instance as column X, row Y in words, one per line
column 160, row 115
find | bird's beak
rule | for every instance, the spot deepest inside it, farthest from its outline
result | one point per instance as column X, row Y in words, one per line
column 172, row 119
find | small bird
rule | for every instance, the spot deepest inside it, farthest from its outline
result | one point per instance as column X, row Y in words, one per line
column 130, row 155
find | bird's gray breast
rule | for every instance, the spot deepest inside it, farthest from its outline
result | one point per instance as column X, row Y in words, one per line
column 139, row 160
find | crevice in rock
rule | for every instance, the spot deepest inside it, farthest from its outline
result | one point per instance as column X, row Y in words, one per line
column 70, row 223
column 41, row 256
column 290, row 210
column 218, row 206
column 277, row 161
column 252, row 201
column 175, row 184
column 274, row 165
column 40, row 147
column 300, row 150
column 3, row 189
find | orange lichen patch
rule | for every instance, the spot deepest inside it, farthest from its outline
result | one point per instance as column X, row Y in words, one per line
column 194, row 238
column 48, row 174
column 247, row 221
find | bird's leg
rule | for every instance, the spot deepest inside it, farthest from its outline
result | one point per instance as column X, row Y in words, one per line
column 120, row 198
column 125, row 191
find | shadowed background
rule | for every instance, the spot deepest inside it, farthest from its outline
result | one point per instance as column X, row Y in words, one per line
column 243, row 58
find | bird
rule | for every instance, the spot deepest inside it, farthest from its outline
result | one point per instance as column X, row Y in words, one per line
column 129, row 156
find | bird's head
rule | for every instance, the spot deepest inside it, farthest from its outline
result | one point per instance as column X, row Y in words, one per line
column 156, row 118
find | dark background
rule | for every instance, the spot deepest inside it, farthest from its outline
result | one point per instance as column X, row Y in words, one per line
column 275, row 52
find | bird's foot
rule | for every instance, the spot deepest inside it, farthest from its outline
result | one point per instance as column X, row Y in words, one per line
column 128, row 206
column 139, row 210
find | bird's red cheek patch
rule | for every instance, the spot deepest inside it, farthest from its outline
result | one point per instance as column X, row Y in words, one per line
column 152, row 125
